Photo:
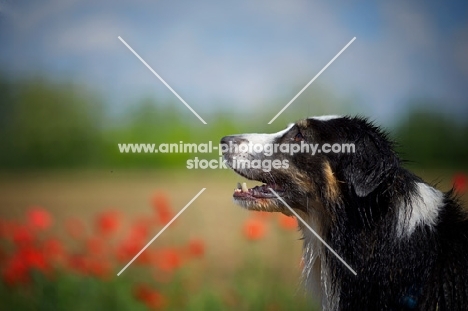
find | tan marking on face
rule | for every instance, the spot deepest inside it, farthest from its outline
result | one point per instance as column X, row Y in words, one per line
column 301, row 181
column 259, row 204
column 332, row 190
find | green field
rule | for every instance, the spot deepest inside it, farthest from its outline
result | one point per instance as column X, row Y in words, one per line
column 234, row 273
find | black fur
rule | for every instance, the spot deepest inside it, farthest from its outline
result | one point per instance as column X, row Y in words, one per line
column 367, row 222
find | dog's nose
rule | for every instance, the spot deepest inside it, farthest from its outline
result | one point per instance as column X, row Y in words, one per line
column 235, row 140
column 230, row 144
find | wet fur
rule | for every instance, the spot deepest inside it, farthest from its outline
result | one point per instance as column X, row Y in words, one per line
column 407, row 241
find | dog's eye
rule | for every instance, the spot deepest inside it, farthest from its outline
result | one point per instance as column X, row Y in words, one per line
column 298, row 137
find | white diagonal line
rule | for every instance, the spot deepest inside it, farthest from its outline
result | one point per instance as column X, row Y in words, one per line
column 312, row 230
column 162, row 80
column 313, row 79
column 162, row 230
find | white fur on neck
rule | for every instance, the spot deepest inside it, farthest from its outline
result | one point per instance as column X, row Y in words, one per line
column 424, row 209
column 316, row 272
column 326, row 118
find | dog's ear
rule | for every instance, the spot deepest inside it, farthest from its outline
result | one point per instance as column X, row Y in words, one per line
column 370, row 165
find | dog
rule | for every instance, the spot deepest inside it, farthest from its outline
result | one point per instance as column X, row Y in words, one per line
column 406, row 240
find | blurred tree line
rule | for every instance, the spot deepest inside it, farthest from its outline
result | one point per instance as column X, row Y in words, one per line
column 64, row 125
column 428, row 138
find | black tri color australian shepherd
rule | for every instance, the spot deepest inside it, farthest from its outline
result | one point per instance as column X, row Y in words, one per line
column 406, row 241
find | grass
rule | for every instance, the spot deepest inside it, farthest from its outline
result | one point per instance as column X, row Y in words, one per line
column 235, row 273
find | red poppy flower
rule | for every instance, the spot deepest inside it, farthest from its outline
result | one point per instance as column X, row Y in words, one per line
column 287, row 222
column 34, row 258
column 169, row 259
column 146, row 257
column 3, row 257
column 160, row 200
column 99, row 268
column 108, row 222
column 164, row 216
column 460, row 182
column 78, row 263
column 136, row 240
column 95, row 246
column 162, row 208
column 140, row 230
column 150, row 297
column 16, row 272
column 196, row 248
column 75, row 228
column 149, row 256
column 254, row 229
column 22, row 236
column 53, row 250
column 39, row 218
column 128, row 248
column 22, row 261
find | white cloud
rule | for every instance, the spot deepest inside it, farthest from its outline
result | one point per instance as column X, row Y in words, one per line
column 94, row 34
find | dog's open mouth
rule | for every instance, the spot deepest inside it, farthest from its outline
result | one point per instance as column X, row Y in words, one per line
column 257, row 192
column 259, row 197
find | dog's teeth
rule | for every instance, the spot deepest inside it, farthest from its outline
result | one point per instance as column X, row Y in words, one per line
column 244, row 187
column 239, row 185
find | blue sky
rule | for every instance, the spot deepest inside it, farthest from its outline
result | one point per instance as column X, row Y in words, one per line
column 244, row 54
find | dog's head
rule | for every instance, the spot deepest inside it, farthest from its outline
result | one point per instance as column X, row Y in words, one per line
column 345, row 157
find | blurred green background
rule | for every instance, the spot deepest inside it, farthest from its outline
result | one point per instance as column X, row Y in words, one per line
column 64, row 125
